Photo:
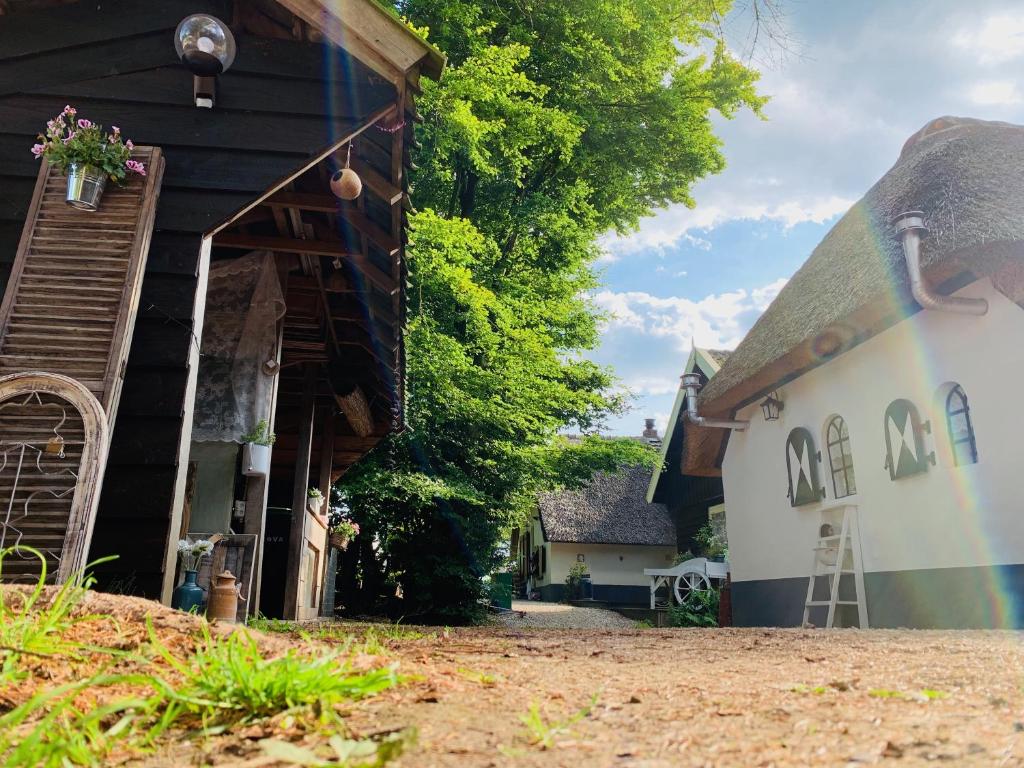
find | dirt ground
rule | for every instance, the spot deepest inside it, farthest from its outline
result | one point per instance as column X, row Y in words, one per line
column 722, row 697
column 637, row 698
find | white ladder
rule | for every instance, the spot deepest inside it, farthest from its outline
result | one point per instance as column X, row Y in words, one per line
column 848, row 563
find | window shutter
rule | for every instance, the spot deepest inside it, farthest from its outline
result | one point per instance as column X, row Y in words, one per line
column 904, row 444
column 73, row 295
column 802, row 466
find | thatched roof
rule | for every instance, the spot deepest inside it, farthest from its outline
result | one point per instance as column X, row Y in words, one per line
column 965, row 175
column 610, row 509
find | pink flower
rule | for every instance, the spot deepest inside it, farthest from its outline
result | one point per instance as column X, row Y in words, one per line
column 83, row 123
column 115, row 129
column 69, row 110
column 135, row 167
column 37, row 150
column 129, row 144
column 67, row 139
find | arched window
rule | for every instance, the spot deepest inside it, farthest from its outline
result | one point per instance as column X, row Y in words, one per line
column 840, row 457
column 960, row 427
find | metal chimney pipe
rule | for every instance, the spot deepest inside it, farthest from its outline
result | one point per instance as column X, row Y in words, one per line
column 909, row 226
column 691, row 383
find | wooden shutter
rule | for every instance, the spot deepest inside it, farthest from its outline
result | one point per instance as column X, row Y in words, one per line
column 904, row 444
column 802, row 466
column 73, row 295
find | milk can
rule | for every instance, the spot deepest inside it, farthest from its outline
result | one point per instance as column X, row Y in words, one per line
column 224, row 598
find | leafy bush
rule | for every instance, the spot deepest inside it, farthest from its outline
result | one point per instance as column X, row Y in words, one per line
column 700, row 609
column 574, row 580
column 710, row 542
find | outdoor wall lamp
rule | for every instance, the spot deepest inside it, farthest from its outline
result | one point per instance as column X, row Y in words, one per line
column 772, row 407
column 206, row 47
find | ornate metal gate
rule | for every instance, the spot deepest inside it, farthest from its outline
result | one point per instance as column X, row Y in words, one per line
column 53, row 444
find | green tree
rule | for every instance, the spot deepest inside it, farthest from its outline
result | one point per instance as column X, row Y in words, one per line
column 554, row 122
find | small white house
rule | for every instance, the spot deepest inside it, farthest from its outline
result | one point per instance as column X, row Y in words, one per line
column 894, row 358
column 607, row 525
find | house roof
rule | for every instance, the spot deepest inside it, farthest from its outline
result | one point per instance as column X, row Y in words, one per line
column 373, row 33
column 610, row 509
column 707, row 362
column 964, row 174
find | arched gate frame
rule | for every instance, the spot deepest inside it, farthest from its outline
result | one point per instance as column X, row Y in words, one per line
column 53, row 446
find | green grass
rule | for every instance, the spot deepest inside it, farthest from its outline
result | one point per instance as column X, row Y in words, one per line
column 230, row 680
column 542, row 732
column 31, row 626
column 133, row 700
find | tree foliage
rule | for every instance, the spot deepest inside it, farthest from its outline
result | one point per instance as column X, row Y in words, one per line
column 553, row 123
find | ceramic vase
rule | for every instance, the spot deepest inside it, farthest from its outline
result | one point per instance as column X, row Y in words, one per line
column 188, row 596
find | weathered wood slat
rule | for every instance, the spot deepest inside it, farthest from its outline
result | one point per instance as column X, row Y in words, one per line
column 72, row 273
column 79, row 24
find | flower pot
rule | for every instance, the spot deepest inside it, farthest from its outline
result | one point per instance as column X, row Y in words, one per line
column 338, row 541
column 85, row 186
column 315, row 504
column 255, row 460
column 188, row 596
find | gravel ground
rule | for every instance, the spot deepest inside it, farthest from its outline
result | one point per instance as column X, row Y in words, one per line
column 532, row 613
column 736, row 698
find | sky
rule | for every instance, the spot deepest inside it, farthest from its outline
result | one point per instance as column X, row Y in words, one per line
column 857, row 78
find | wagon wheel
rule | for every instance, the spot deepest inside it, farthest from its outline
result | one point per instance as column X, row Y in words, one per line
column 688, row 583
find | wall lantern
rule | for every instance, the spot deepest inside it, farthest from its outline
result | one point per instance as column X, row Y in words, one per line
column 772, row 407
column 206, row 47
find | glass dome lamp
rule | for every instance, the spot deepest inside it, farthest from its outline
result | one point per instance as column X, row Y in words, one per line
column 204, row 44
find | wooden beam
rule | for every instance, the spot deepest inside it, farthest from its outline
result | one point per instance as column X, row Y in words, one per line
column 333, row 249
column 323, row 203
column 376, row 183
column 371, row 120
column 326, row 469
column 297, row 534
column 381, row 238
column 257, row 487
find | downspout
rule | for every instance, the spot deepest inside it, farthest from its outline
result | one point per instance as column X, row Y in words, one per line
column 909, row 226
column 691, row 383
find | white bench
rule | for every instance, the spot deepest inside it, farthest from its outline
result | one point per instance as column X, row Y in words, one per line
column 689, row 576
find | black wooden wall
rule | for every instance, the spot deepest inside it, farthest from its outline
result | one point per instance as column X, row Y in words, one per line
column 281, row 102
column 687, row 497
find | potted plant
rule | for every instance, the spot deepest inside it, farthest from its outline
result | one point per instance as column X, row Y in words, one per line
column 188, row 596
column 256, row 450
column 87, row 155
column 342, row 532
column 314, row 500
column 711, row 544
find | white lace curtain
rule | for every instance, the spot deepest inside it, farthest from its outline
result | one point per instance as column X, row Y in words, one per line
column 243, row 305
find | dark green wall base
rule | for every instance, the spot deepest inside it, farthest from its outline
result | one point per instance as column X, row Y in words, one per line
column 941, row 598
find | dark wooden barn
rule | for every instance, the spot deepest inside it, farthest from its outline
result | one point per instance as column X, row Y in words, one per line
column 312, row 81
column 688, row 497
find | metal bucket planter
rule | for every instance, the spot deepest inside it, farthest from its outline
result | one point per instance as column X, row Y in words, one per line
column 85, row 186
column 255, row 460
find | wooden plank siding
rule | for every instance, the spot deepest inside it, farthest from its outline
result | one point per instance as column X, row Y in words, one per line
column 282, row 103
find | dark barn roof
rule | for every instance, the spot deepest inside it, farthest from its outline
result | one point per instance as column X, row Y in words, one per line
column 610, row 509
column 964, row 174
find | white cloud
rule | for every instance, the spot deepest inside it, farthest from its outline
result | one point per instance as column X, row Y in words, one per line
column 652, row 385
column 995, row 93
column 677, row 224
column 719, row 320
column 996, row 39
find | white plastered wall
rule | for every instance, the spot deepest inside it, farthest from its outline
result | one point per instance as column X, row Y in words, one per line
column 610, row 564
column 948, row 517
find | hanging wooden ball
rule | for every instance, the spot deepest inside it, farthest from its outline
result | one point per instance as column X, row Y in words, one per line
column 346, row 184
